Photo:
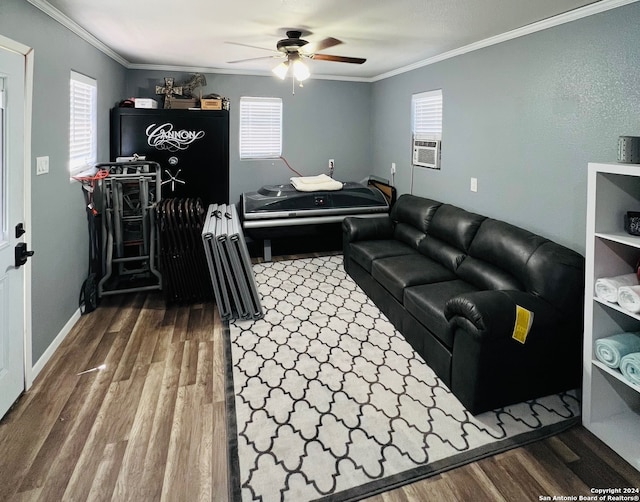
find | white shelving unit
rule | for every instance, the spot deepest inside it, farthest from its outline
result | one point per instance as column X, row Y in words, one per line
column 611, row 404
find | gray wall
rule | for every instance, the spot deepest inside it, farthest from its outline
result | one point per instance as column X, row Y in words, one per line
column 324, row 119
column 59, row 226
column 524, row 117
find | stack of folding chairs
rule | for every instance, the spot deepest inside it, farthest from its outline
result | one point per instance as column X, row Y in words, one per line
column 127, row 196
column 183, row 261
column 229, row 264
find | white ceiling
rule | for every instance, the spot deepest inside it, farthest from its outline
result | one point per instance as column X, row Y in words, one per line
column 390, row 34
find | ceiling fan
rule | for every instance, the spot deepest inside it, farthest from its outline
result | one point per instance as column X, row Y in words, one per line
column 295, row 49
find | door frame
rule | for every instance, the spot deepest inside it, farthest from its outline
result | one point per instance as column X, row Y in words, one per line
column 27, row 53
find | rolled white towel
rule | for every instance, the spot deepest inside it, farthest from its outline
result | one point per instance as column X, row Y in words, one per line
column 629, row 298
column 611, row 349
column 630, row 367
column 607, row 287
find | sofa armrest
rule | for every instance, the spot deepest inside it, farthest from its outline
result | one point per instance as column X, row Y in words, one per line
column 360, row 229
column 490, row 369
column 491, row 315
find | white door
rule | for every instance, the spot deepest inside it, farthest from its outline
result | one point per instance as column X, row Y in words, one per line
column 12, row 297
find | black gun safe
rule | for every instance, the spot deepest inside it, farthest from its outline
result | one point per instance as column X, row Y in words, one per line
column 191, row 146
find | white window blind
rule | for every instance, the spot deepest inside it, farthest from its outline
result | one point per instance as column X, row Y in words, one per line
column 260, row 128
column 426, row 114
column 82, row 123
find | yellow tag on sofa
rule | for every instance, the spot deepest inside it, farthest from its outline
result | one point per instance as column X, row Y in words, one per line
column 524, row 320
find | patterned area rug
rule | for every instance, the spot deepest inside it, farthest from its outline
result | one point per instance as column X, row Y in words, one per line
column 329, row 402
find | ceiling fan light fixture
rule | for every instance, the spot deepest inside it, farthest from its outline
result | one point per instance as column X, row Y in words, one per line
column 281, row 70
column 294, row 49
column 300, row 70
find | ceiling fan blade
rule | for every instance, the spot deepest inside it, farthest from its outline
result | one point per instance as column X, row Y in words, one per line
column 250, row 46
column 253, row 59
column 321, row 45
column 338, row 59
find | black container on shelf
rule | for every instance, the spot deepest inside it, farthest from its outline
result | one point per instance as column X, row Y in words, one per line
column 632, row 222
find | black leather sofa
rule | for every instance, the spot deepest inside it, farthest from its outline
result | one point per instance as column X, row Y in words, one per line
column 452, row 282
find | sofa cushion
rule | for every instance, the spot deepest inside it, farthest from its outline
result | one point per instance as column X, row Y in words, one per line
column 414, row 211
column 554, row 271
column 398, row 272
column 507, row 247
column 483, row 275
column 408, row 234
column 426, row 303
column 445, row 254
column 365, row 252
column 455, row 226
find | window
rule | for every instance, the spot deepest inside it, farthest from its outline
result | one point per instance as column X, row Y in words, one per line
column 426, row 113
column 82, row 123
column 260, row 128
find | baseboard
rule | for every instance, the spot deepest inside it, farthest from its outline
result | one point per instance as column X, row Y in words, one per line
column 44, row 359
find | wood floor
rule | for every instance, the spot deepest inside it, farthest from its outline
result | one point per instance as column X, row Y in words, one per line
column 150, row 426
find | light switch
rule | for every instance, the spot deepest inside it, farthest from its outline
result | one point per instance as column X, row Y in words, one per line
column 42, row 165
column 474, row 184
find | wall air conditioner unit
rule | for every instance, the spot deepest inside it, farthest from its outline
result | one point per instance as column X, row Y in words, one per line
column 426, row 152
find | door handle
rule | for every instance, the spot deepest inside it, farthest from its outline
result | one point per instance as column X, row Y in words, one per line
column 22, row 254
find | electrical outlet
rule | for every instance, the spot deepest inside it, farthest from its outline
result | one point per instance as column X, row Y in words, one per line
column 42, row 165
column 474, row 184
column 393, row 168
column 332, row 164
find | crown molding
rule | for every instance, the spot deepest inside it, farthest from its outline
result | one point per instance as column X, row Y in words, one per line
column 230, row 71
column 572, row 15
column 567, row 17
column 71, row 25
